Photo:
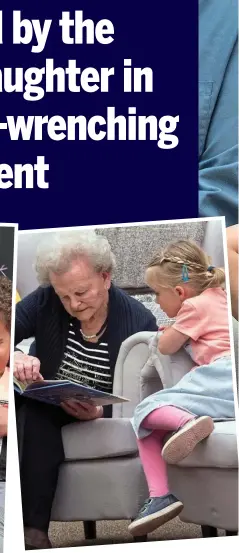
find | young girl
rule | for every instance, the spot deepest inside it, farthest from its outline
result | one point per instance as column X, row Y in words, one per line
column 191, row 290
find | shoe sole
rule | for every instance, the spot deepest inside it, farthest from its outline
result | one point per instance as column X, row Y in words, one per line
column 152, row 522
column 183, row 443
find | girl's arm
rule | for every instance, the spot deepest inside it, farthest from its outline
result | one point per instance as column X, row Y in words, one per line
column 171, row 341
column 3, row 420
column 4, row 386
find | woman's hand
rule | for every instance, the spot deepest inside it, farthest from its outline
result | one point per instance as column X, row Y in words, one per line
column 81, row 410
column 26, row 368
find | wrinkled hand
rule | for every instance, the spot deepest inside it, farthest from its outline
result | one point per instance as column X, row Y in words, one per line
column 81, row 410
column 26, row 368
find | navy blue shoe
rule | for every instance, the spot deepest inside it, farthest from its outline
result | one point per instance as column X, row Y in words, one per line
column 154, row 513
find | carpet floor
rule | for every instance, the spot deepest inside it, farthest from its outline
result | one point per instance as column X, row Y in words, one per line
column 71, row 534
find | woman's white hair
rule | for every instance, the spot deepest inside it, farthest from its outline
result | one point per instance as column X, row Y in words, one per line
column 59, row 249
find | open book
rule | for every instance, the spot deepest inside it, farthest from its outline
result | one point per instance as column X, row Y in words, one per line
column 57, row 391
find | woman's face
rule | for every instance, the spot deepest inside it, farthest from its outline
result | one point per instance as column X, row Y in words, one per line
column 81, row 289
column 4, row 347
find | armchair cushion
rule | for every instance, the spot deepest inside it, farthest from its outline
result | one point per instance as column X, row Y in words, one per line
column 218, row 451
column 99, row 439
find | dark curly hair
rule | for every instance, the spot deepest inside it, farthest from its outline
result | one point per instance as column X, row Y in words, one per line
column 6, row 301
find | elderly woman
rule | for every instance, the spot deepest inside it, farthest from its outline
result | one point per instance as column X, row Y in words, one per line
column 5, row 327
column 79, row 320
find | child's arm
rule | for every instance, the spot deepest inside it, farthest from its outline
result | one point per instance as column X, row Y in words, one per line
column 171, row 340
column 3, row 420
column 4, row 386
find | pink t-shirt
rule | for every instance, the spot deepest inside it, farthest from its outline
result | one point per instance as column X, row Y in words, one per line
column 204, row 319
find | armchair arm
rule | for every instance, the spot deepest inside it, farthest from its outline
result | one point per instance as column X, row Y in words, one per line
column 25, row 345
column 141, row 370
column 135, row 377
column 170, row 368
column 213, row 242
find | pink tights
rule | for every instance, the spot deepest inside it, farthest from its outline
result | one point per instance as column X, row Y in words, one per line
column 161, row 421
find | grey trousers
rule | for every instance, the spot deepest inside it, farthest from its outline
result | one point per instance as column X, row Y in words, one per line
column 2, row 505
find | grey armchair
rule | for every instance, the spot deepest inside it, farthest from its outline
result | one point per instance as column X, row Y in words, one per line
column 103, row 478
column 207, row 480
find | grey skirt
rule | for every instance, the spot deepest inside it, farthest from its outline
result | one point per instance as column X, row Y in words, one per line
column 206, row 390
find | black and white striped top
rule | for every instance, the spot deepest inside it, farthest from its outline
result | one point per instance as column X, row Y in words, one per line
column 86, row 362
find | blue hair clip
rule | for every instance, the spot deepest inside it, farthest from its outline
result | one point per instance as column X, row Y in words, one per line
column 210, row 268
column 185, row 276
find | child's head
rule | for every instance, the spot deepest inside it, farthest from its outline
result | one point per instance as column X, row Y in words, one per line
column 5, row 321
column 182, row 270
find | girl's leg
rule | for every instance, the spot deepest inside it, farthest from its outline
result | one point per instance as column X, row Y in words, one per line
column 161, row 506
column 190, row 430
column 150, row 449
column 167, row 418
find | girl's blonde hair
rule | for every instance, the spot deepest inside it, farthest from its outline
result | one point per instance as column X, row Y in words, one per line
column 185, row 261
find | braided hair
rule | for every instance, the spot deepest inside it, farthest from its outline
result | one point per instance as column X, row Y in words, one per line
column 185, row 255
